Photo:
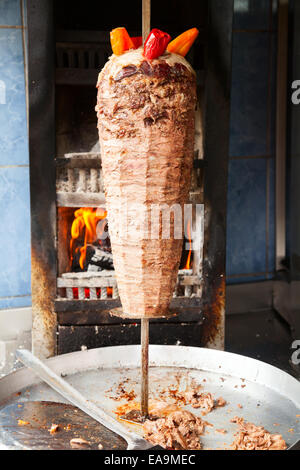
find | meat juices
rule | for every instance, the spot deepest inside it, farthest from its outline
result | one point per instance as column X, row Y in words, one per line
column 145, row 112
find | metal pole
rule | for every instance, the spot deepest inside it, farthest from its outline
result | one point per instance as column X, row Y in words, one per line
column 146, row 15
column 144, row 365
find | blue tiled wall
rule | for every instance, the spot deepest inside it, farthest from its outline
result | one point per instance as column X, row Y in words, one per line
column 250, row 222
column 14, row 168
column 250, row 218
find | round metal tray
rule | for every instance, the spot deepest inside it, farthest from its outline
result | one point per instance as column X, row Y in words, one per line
column 258, row 392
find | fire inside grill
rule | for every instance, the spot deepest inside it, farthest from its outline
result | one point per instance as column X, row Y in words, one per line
column 90, row 245
column 90, row 248
column 86, row 265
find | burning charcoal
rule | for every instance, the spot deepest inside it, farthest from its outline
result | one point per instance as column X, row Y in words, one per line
column 101, row 259
column 94, row 268
column 87, row 229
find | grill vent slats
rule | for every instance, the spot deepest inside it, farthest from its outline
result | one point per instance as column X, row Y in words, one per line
column 87, row 286
column 81, row 56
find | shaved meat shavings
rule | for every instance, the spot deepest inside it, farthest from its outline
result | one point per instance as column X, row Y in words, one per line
column 252, row 437
column 204, row 401
column 198, row 399
column 220, row 402
column 179, row 430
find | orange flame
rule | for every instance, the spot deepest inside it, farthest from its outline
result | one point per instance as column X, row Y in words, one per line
column 188, row 261
column 85, row 225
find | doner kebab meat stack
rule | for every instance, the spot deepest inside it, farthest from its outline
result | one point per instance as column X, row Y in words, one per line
column 146, row 106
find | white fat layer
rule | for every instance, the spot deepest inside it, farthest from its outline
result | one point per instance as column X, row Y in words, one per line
column 135, row 57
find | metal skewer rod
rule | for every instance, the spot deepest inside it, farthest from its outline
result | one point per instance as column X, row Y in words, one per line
column 146, row 20
column 146, row 15
column 144, row 366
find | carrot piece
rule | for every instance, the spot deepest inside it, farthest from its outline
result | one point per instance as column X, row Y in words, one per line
column 120, row 41
column 182, row 44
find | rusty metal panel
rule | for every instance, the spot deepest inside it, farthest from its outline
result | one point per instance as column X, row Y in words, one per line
column 74, row 338
column 42, row 174
column 95, row 312
column 216, row 149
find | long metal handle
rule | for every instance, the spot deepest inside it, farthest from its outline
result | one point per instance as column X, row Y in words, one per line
column 295, row 446
column 75, row 397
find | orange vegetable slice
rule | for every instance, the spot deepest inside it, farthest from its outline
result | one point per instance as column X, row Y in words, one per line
column 182, row 44
column 120, row 41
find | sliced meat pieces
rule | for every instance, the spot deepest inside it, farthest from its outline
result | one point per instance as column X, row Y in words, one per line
column 252, row 437
column 179, row 430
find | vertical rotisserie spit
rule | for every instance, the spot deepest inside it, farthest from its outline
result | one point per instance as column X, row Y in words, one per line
column 146, row 127
column 145, row 108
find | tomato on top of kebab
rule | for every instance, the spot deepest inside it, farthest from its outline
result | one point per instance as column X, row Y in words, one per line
column 156, row 43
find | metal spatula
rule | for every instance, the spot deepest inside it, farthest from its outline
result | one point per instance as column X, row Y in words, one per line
column 134, row 441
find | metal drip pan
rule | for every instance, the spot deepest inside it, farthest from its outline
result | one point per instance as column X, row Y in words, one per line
column 258, row 392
